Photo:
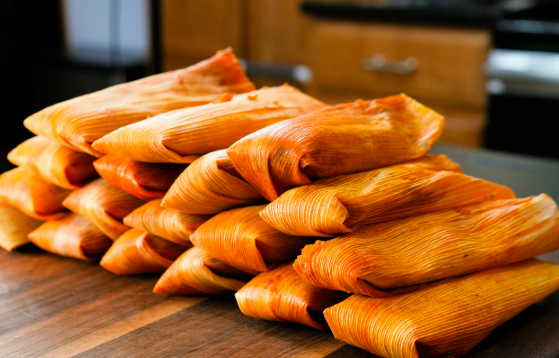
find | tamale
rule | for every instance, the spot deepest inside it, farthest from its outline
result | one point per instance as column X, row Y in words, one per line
column 79, row 122
column 282, row 295
column 33, row 196
column 383, row 259
column 196, row 272
column 146, row 181
column 104, row 205
column 54, row 163
column 183, row 135
column 342, row 139
column 445, row 318
column 14, row 227
column 210, row 185
column 330, row 206
column 136, row 252
column 166, row 223
column 240, row 238
column 71, row 236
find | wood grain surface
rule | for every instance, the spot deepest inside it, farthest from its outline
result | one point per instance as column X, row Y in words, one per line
column 57, row 307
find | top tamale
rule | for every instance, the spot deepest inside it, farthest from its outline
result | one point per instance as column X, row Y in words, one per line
column 342, row 139
column 183, row 135
column 78, row 122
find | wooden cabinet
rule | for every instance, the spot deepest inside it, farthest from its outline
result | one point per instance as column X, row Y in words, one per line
column 276, row 31
column 193, row 30
column 432, row 63
column 441, row 67
column 447, row 64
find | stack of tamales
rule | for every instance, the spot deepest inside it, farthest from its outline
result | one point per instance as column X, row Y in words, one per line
column 223, row 188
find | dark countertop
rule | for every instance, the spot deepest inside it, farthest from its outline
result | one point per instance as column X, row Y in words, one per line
column 526, row 175
column 52, row 306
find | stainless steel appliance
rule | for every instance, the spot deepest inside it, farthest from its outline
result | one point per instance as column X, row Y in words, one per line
column 523, row 84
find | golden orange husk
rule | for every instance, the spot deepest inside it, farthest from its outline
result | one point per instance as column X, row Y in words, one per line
column 104, row 205
column 183, row 135
column 282, row 295
column 383, row 259
column 343, row 139
column 329, row 207
column 78, row 122
column 240, row 238
column 14, row 227
column 54, row 163
column 136, row 252
column 196, row 272
column 32, row 195
column 166, row 223
column 210, row 185
column 146, row 181
column 72, row 236
column 445, row 318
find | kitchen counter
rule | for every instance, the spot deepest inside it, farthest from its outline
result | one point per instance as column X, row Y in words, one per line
column 52, row 306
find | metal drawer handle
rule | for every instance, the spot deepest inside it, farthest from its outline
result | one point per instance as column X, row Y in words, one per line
column 379, row 63
column 298, row 73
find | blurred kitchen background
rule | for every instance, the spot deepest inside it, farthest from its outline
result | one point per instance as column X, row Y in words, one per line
column 491, row 67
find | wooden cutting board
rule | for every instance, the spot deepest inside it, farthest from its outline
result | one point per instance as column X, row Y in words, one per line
column 57, row 307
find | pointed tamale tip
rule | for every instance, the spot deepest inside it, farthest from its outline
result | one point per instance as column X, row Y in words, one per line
column 226, row 50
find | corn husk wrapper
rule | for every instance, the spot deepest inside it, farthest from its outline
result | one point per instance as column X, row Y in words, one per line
column 388, row 258
column 54, row 163
column 446, row 318
column 166, row 223
column 196, row 272
column 72, row 236
column 240, row 238
column 282, row 295
column 342, row 139
column 78, row 122
column 146, row 181
column 104, row 205
column 136, row 252
column 14, row 227
column 210, row 185
column 182, row 136
column 331, row 206
column 32, row 195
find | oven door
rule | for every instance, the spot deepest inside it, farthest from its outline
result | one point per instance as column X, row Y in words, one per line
column 523, row 111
